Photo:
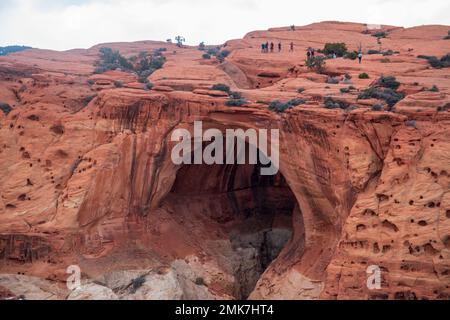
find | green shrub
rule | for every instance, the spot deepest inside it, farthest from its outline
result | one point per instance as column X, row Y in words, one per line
column 353, row 55
column 371, row 51
column 180, row 40
column 447, row 37
column 434, row 88
column 388, row 82
column 390, row 96
column 317, row 64
column 222, row 55
column 280, row 107
column 137, row 283
column 112, row 60
column 363, row 76
column 6, row 108
column 345, row 90
column 411, row 123
column 236, row 102
column 330, row 103
column 437, row 63
column 213, row 51
column 148, row 86
column 388, row 53
column 340, row 49
column 332, row 80
column 380, row 34
column 377, row 107
column 235, row 95
column 206, row 56
column 445, row 107
column 201, row 46
column 12, row 49
column 221, row 87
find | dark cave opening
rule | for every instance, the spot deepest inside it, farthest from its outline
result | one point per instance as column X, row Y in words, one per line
column 253, row 210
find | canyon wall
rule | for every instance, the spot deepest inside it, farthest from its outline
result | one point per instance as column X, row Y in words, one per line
column 87, row 177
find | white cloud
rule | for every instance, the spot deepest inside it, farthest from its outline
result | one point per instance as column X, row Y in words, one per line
column 82, row 23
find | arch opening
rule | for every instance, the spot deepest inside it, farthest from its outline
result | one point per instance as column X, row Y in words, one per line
column 251, row 212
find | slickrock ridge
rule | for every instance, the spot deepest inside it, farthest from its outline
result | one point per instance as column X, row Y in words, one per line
column 86, row 177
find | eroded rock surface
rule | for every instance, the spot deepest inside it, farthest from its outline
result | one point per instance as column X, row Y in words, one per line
column 87, row 179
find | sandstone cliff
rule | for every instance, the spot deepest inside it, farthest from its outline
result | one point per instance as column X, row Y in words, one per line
column 86, row 177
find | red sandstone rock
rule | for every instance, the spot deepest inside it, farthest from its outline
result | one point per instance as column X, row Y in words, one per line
column 86, row 175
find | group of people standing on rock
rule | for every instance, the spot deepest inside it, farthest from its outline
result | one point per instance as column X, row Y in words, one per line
column 310, row 52
column 270, row 47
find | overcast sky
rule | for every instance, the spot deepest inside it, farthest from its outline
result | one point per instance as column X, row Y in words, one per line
column 67, row 24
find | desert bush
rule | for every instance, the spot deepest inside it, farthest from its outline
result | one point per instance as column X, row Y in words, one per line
column 444, row 107
column 213, row 51
column 363, row 76
column 148, row 86
column 344, row 90
column 206, row 56
column 180, row 40
column 90, row 82
column 390, row 96
column 380, row 34
column 236, row 102
column 86, row 100
column 6, row 108
column 377, row 107
column 332, row 80
column 118, row 84
column 388, row 53
column 347, row 76
column 353, row 55
column 280, row 107
column 371, row 51
column 317, row 64
column 112, row 59
column 388, row 82
column 12, row 49
column 201, row 46
column 434, row 88
column 340, row 49
column 300, row 90
column 347, row 81
column 235, row 95
column 437, row 63
column 411, row 123
column 137, row 283
column 447, row 37
column 221, row 87
column 330, row 103
column 222, row 55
